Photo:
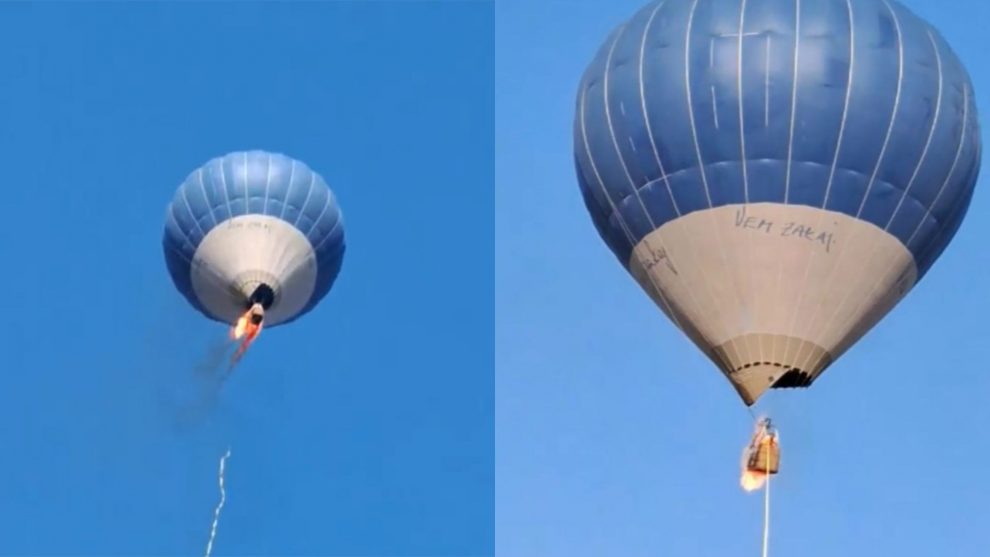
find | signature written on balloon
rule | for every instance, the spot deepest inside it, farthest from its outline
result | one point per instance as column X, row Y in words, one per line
column 787, row 229
column 657, row 256
column 250, row 225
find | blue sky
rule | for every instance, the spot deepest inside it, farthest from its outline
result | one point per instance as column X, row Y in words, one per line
column 364, row 428
column 615, row 436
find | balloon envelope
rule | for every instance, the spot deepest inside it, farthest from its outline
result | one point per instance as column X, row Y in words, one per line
column 251, row 221
column 776, row 174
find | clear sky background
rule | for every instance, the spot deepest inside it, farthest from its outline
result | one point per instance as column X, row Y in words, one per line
column 364, row 428
column 615, row 436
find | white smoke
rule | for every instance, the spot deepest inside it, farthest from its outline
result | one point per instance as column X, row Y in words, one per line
column 223, row 498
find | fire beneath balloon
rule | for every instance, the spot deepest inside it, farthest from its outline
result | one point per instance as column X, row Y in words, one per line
column 247, row 328
column 239, row 328
column 751, row 481
column 761, row 457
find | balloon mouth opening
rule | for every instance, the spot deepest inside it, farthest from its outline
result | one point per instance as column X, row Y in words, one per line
column 256, row 287
column 795, row 378
column 263, row 294
column 753, row 379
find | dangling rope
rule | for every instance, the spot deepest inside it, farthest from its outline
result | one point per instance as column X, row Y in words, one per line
column 766, row 509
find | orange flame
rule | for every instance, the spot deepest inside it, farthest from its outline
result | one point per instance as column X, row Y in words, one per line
column 246, row 329
column 752, row 480
column 754, row 476
column 239, row 328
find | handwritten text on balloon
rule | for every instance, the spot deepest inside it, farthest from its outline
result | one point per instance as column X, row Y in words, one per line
column 786, row 229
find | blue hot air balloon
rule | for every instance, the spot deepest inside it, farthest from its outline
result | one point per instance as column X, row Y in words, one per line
column 254, row 228
column 776, row 174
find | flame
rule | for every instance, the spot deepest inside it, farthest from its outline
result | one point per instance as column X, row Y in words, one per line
column 752, row 480
column 239, row 328
column 245, row 329
column 244, row 324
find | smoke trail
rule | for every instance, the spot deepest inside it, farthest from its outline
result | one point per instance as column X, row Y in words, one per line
column 211, row 362
column 216, row 512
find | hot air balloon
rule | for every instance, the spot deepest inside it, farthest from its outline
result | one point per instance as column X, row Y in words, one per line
column 254, row 231
column 776, row 174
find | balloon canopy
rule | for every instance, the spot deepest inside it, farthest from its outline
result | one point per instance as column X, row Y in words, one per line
column 254, row 227
column 776, row 174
